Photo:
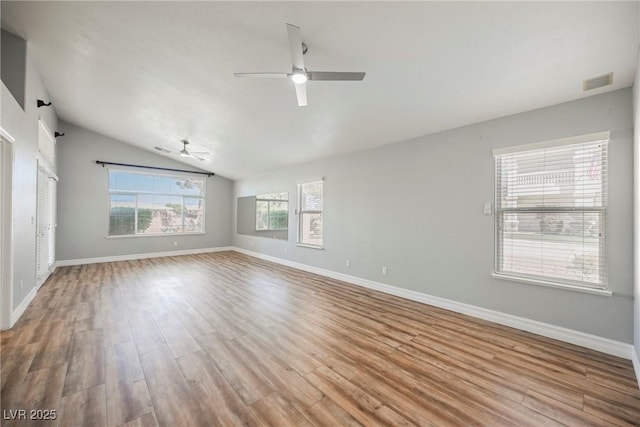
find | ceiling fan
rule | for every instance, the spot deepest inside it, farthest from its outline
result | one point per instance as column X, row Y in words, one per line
column 184, row 152
column 299, row 74
column 194, row 154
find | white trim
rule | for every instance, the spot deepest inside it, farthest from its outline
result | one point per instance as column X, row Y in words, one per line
column 40, row 280
column 6, row 136
column 96, row 260
column 128, row 236
column 550, row 284
column 578, row 139
column 308, row 180
column 305, row 245
column 19, row 311
column 636, row 364
column 6, row 231
column 594, row 342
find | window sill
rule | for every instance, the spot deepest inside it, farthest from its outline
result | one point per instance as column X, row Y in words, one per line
column 302, row 245
column 130, row 236
column 549, row 284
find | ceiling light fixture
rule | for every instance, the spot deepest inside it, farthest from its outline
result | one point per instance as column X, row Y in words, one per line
column 299, row 77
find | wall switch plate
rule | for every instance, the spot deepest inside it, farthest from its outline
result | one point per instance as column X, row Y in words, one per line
column 487, row 208
column 285, row 250
column 384, row 271
column 348, row 263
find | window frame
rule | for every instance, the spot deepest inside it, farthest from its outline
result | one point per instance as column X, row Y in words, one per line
column 269, row 201
column 603, row 287
column 300, row 213
column 137, row 193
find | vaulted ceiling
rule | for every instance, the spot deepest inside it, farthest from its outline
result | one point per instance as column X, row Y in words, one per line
column 153, row 73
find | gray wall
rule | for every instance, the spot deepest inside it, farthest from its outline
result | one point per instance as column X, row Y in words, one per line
column 13, row 60
column 83, row 200
column 417, row 207
column 23, row 126
column 636, row 211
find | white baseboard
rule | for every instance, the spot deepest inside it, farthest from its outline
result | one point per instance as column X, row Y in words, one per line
column 97, row 260
column 636, row 363
column 594, row 342
column 19, row 311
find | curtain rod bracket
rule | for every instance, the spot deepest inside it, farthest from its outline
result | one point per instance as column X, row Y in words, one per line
column 100, row 162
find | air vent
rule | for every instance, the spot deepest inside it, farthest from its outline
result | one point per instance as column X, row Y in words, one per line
column 164, row 150
column 597, row 82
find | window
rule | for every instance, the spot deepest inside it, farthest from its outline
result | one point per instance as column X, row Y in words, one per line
column 272, row 211
column 145, row 204
column 551, row 211
column 310, row 213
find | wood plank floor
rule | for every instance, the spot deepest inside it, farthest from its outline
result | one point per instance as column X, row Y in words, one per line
column 226, row 339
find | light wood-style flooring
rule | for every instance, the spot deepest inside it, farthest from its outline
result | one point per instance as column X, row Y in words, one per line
column 224, row 339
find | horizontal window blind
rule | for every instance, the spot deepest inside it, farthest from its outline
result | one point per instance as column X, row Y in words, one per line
column 45, row 223
column 551, row 211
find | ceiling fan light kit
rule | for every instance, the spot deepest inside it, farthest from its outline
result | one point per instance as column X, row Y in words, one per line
column 299, row 74
column 299, row 77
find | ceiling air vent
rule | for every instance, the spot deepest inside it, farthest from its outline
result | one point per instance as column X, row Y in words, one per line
column 164, row 150
column 597, row 82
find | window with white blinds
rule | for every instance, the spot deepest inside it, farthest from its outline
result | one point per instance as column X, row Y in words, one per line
column 45, row 203
column 45, row 223
column 551, row 211
column 310, row 213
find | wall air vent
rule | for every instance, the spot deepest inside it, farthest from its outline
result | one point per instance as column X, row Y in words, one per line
column 597, row 82
column 164, row 150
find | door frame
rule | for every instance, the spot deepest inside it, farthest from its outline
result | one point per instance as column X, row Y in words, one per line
column 6, row 228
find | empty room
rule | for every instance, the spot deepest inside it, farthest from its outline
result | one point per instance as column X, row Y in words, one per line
column 320, row 213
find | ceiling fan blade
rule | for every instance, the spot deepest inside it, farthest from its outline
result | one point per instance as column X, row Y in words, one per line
column 200, row 153
column 334, row 75
column 261, row 75
column 295, row 46
column 196, row 157
column 301, row 93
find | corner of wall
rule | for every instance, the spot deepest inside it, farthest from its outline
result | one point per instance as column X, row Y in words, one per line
column 636, row 216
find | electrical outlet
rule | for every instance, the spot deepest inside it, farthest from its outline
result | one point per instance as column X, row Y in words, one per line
column 348, row 263
column 175, row 243
column 487, row 208
column 286, row 250
column 384, row 271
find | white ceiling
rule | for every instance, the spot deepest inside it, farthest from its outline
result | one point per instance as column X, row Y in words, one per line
column 152, row 73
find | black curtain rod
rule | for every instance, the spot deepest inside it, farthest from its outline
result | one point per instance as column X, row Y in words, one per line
column 100, row 162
